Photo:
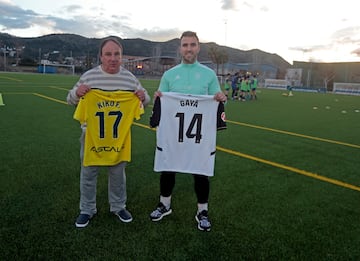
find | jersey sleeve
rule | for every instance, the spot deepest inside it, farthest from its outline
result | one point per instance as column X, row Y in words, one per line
column 80, row 111
column 156, row 113
column 140, row 110
column 221, row 119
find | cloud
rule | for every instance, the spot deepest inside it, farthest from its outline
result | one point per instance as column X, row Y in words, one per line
column 13, row 17
column 310, row 49
column 264, row 8
column 232, row 5
column 248, row 5
column 339, row 40
column 153, row 34
column 348, row 35
column 228, row 4
column 72, row 8
column 356, row 52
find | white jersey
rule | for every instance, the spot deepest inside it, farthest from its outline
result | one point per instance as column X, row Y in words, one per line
column 186, row 133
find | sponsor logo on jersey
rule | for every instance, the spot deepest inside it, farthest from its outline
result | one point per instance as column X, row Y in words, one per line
column 105, row 149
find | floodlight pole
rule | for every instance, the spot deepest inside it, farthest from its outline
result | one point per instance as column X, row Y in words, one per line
column 4, row 58
column 225, row 21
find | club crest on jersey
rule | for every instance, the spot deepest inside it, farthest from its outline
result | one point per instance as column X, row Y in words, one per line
column 193, row 103
column 223, row 116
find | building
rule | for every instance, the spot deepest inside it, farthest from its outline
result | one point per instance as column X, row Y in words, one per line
column 324, row 75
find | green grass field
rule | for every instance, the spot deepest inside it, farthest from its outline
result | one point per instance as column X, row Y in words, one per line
column 286, row 184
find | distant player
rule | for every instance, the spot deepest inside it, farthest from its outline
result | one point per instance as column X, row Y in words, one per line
column 254, row 85
column 227, row 84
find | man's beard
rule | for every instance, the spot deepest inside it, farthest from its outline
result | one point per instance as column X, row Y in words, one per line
column 191, row 59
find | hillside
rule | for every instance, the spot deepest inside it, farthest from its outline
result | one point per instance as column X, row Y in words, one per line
column 79, row 46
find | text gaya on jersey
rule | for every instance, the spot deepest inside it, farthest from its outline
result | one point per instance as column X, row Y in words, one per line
column 188, row 102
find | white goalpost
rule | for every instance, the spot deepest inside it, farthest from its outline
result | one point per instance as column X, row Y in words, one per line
column 346, row 88
column 46, row 63
column 276, row 84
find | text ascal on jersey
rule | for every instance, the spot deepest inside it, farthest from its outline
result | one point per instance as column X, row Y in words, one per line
column 105, row 149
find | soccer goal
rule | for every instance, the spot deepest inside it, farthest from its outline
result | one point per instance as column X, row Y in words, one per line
column 276, row 84
column 346, row 88
column 48, row 67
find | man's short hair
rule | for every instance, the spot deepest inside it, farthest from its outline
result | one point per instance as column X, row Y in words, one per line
column 189, row 34
column 109, row 39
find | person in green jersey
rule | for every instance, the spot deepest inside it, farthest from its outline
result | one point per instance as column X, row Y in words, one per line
column 248, row 87
column 254, row 84
column 227, row 84
column 108, row 76
column 243, row 88
column 189, row 77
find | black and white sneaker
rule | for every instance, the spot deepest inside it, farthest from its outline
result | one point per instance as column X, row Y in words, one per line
column 160, row 212
column 124, row 215
column 82, row 220
column 203, row 221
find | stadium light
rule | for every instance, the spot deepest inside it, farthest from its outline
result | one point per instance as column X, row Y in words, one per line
column 4, row 58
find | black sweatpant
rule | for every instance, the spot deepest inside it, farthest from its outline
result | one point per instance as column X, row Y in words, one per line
column 201, row 185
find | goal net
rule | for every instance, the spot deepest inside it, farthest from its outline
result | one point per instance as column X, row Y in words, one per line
column 48, row 67
column 276, row 84
column 346, row 88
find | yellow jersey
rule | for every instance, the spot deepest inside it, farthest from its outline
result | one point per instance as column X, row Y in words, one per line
column 108, row 116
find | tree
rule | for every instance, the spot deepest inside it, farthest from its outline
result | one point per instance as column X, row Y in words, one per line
column 27, row 61
column 327, row 73
column 218, row 57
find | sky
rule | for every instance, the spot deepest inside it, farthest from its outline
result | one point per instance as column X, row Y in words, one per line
column 306, row 30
